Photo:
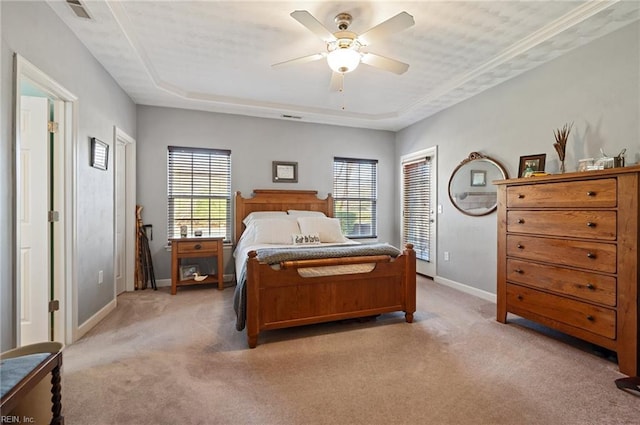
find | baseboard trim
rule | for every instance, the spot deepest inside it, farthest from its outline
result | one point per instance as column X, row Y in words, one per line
column 95, row 319
column 488, row 296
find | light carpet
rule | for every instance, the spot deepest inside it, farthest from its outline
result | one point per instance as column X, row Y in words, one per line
column 163, row 359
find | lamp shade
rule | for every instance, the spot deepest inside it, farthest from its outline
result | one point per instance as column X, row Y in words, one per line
column 343, row 59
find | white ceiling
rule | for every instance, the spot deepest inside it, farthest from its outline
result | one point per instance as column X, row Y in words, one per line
column 217, row 55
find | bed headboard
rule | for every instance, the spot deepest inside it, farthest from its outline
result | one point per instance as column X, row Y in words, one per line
column 278, row 200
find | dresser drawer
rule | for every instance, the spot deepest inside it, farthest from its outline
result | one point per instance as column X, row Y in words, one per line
column 597, row 256
column 576, row 194
column 585, row 285
column 193, row 247
column 598, row 320
column 578, row 224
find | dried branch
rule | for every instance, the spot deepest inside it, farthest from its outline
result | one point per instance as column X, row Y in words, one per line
column 562, row 135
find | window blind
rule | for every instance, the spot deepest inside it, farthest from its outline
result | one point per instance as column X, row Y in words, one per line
column 355, row 187
column 199, row 191
column 416, row 223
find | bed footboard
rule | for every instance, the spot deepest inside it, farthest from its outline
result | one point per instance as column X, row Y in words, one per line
column 283, row 298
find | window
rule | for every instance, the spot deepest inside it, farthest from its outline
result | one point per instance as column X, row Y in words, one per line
column 416, row 204
column 199, row 191
column 355, row 194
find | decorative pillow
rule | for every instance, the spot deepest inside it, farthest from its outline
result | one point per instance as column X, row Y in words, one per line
column 302, row 239
column 257, row 215
column 305, row 213
column 328, row 228
column 275, row 230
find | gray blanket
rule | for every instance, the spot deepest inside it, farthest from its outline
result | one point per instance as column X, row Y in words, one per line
column 277, row 255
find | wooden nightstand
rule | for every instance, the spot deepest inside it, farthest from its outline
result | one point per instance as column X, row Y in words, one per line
column 195, row 248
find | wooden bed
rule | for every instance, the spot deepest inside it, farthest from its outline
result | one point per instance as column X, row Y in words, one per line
column 282, row 298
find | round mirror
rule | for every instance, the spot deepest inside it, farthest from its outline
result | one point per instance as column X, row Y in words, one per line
column 470, row 187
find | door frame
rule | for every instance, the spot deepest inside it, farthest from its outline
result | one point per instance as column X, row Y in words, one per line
column 120, row 137
column 65, row 289
column 431, row 152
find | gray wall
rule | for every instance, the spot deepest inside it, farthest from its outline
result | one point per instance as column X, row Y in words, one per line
column 596, row 87
column 34, row 31
column 254, row 143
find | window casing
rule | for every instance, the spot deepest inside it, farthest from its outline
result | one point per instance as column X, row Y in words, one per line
column 199, row 191
column 355, row 196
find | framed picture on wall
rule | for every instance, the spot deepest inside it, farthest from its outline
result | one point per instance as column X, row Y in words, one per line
column 99, row 154
column 285, row 172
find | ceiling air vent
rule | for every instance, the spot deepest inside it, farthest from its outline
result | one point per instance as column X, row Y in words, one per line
column 79, row 9
column 291, row 117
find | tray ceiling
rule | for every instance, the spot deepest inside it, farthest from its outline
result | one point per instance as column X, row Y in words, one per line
column 217, row 55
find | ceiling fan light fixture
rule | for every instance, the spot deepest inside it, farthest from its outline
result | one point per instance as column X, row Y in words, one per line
column 343, row 59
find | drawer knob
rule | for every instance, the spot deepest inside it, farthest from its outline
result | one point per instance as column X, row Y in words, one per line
column 197, row 246
column 519, row 297
column 591, row 193
column 591, row 318
column 519, row 246
column 591, row 224
column 520, row 196
column 590, row 286
column 591, row 255
column 520, row 271
column 521, row 221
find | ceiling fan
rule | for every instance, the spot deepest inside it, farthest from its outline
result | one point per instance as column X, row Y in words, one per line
column 346, row 49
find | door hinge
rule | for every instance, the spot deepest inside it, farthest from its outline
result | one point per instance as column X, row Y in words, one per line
column 54, row 216
column 54, row 305
column 52, row 127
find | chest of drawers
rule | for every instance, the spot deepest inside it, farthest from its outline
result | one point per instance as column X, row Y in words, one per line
column 568, row 256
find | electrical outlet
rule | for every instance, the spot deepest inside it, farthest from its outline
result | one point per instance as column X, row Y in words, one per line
column 100, row 277
column 446, row 256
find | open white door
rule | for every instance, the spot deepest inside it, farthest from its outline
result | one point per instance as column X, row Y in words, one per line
column 33, row 214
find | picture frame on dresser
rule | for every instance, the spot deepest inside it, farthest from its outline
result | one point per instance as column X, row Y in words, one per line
column 531, row 163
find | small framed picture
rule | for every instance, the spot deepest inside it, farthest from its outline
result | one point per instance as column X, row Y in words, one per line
column 99, row 154
column 187, row 272
column 478, row 178
column 530, row 164
column 285, row 172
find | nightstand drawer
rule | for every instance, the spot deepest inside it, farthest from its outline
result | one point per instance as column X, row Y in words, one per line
column 585, row 285
column 597, row 256
column 575, row 194
column 598, row 320
column 577, row 224
column 193, row 247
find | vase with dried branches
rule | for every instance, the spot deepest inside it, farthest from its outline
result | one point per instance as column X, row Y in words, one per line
column 562, row 135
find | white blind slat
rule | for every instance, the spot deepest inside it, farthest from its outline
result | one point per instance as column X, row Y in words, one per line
column 199, row 191
column 355, row 185
column 416, row 206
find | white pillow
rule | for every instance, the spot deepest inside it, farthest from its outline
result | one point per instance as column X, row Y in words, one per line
column 257, row 215
column 305, row 213
column 275, row 230
column 328, row 228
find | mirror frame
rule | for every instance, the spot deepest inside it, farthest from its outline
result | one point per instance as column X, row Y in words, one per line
column 475, row 156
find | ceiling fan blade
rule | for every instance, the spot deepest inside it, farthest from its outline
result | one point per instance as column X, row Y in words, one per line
column 303, row 59
column 392, row 25
column 313, row 25
column 382, row 62
column 337, row 82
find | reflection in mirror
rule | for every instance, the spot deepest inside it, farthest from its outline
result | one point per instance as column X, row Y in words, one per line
column 470, row 187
